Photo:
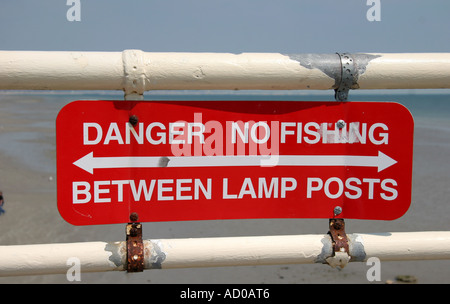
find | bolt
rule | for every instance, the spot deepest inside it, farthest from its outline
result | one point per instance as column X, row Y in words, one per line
column 340, row 124
column 134, row 217
column 337, row 210
column 133, row 120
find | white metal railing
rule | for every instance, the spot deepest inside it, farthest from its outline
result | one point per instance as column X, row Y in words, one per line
column 223, row 251
column 135, row 72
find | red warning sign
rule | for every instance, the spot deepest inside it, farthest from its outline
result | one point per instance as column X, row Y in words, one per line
column 208, row 160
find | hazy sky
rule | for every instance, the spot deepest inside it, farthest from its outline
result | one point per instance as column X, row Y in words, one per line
column 285, row 26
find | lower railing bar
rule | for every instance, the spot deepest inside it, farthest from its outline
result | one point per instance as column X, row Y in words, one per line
column 16, row 260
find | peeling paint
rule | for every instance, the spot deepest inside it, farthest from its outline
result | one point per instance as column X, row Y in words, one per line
column 118, row 253
column 362, row 60
column 327, row 250
column 356, row 248
column 330, row 64
column 154, row 255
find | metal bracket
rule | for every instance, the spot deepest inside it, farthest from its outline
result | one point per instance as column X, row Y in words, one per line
column 135, row 245
column 340, row 244
column 135, row 81
column 349, row 77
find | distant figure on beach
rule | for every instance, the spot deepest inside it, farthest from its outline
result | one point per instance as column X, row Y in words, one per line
column 2, row 202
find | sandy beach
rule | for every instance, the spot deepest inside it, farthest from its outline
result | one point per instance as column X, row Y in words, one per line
column 28, row 181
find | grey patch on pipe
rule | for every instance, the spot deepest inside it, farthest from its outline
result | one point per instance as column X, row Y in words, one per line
column 118, row 253
column 362, row 60
column 156, row 256
column 330, row 64
column 356, row 248
column 327, row 250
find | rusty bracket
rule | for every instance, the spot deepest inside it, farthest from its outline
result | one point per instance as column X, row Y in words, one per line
column 135, row 245
column 339, row 241
column 338, row 235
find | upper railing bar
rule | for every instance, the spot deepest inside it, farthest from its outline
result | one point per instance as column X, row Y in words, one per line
column 135, row 71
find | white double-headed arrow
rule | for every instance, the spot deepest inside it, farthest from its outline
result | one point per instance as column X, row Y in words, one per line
column 89, row 162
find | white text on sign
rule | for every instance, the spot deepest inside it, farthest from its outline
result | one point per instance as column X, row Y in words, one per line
column 158, row 190
column 214, row 138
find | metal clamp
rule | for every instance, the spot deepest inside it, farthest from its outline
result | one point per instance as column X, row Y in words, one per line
column 349, row 77
column 339, row 241
column 135, row 245
column 135, row 81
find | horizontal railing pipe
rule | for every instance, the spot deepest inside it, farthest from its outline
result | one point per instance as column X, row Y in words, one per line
column 16, row 260
column 135, row 71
